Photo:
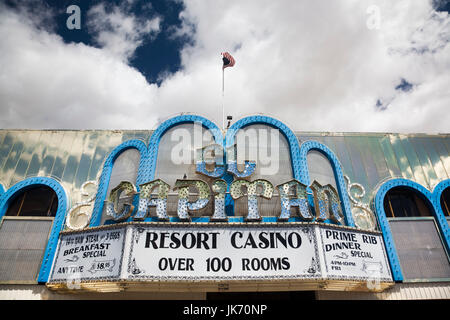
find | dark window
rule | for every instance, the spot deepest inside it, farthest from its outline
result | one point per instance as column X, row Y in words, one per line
column 419, row 246
column 445, row 202
column 35, row 202
column 403, row 202
column 24, row 233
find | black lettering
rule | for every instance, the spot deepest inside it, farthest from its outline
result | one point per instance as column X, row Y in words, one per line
column 285, row 262
column 345, row 236
column 245, row 263
column 250, row 241
column 291, row 242
column 264, row 242
column 265, row 264
column 162, row 264
column 214, row 240
column 184, row 240
column 189, row 264
column 369, row 239
column 151, row 237
column 233, row 239
column 181, row 263
column 175, row 240
column 272, row 240
column 163, row 235
column 281, row 239
column 172, row 263
column 275, row 264
column 203, row 241
column 255, row 264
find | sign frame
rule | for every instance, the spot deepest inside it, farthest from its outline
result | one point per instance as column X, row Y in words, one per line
column 321, row 281
column 305, row 228
column 86, row 232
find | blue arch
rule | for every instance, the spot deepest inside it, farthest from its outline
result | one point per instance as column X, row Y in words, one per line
column 440, row 216
column 153, row 144
column 58, row 222
column 384, row 223
column 107, row 170
column 274, row 123
column 337, row 169
column 287, row 132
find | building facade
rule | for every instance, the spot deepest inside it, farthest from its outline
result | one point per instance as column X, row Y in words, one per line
column 189, row 211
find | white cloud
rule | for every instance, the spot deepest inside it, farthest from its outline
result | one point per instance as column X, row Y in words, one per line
column 46, row 83
column 118, row 31
column 315, row 66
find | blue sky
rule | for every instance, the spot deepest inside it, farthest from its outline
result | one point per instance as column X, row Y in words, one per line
column 343, row 66
column 163, row 50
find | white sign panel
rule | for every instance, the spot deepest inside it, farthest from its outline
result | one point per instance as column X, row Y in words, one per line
column 223, row 253
column 354, row 255
column 89, row 255
column 171, row 252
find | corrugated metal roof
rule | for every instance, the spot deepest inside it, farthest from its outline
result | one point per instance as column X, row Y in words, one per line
column 74, row 156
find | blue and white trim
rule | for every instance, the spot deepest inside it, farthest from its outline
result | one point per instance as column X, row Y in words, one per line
column 435, row 206
column 58, row 222
column 304, row 178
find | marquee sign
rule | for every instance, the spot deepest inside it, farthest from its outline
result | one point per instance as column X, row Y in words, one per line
column 92, row 254
column 223, row 253
column 353, row 254
column 141, row 255
column 160, row 255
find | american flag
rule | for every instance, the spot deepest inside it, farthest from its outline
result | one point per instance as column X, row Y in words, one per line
column 228, row 60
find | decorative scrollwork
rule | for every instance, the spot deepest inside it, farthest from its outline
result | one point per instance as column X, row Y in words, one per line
column 363, row 216
column 75, row 220
column 357, row 185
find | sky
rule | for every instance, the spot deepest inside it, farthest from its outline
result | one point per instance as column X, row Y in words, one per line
column 327, row 66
